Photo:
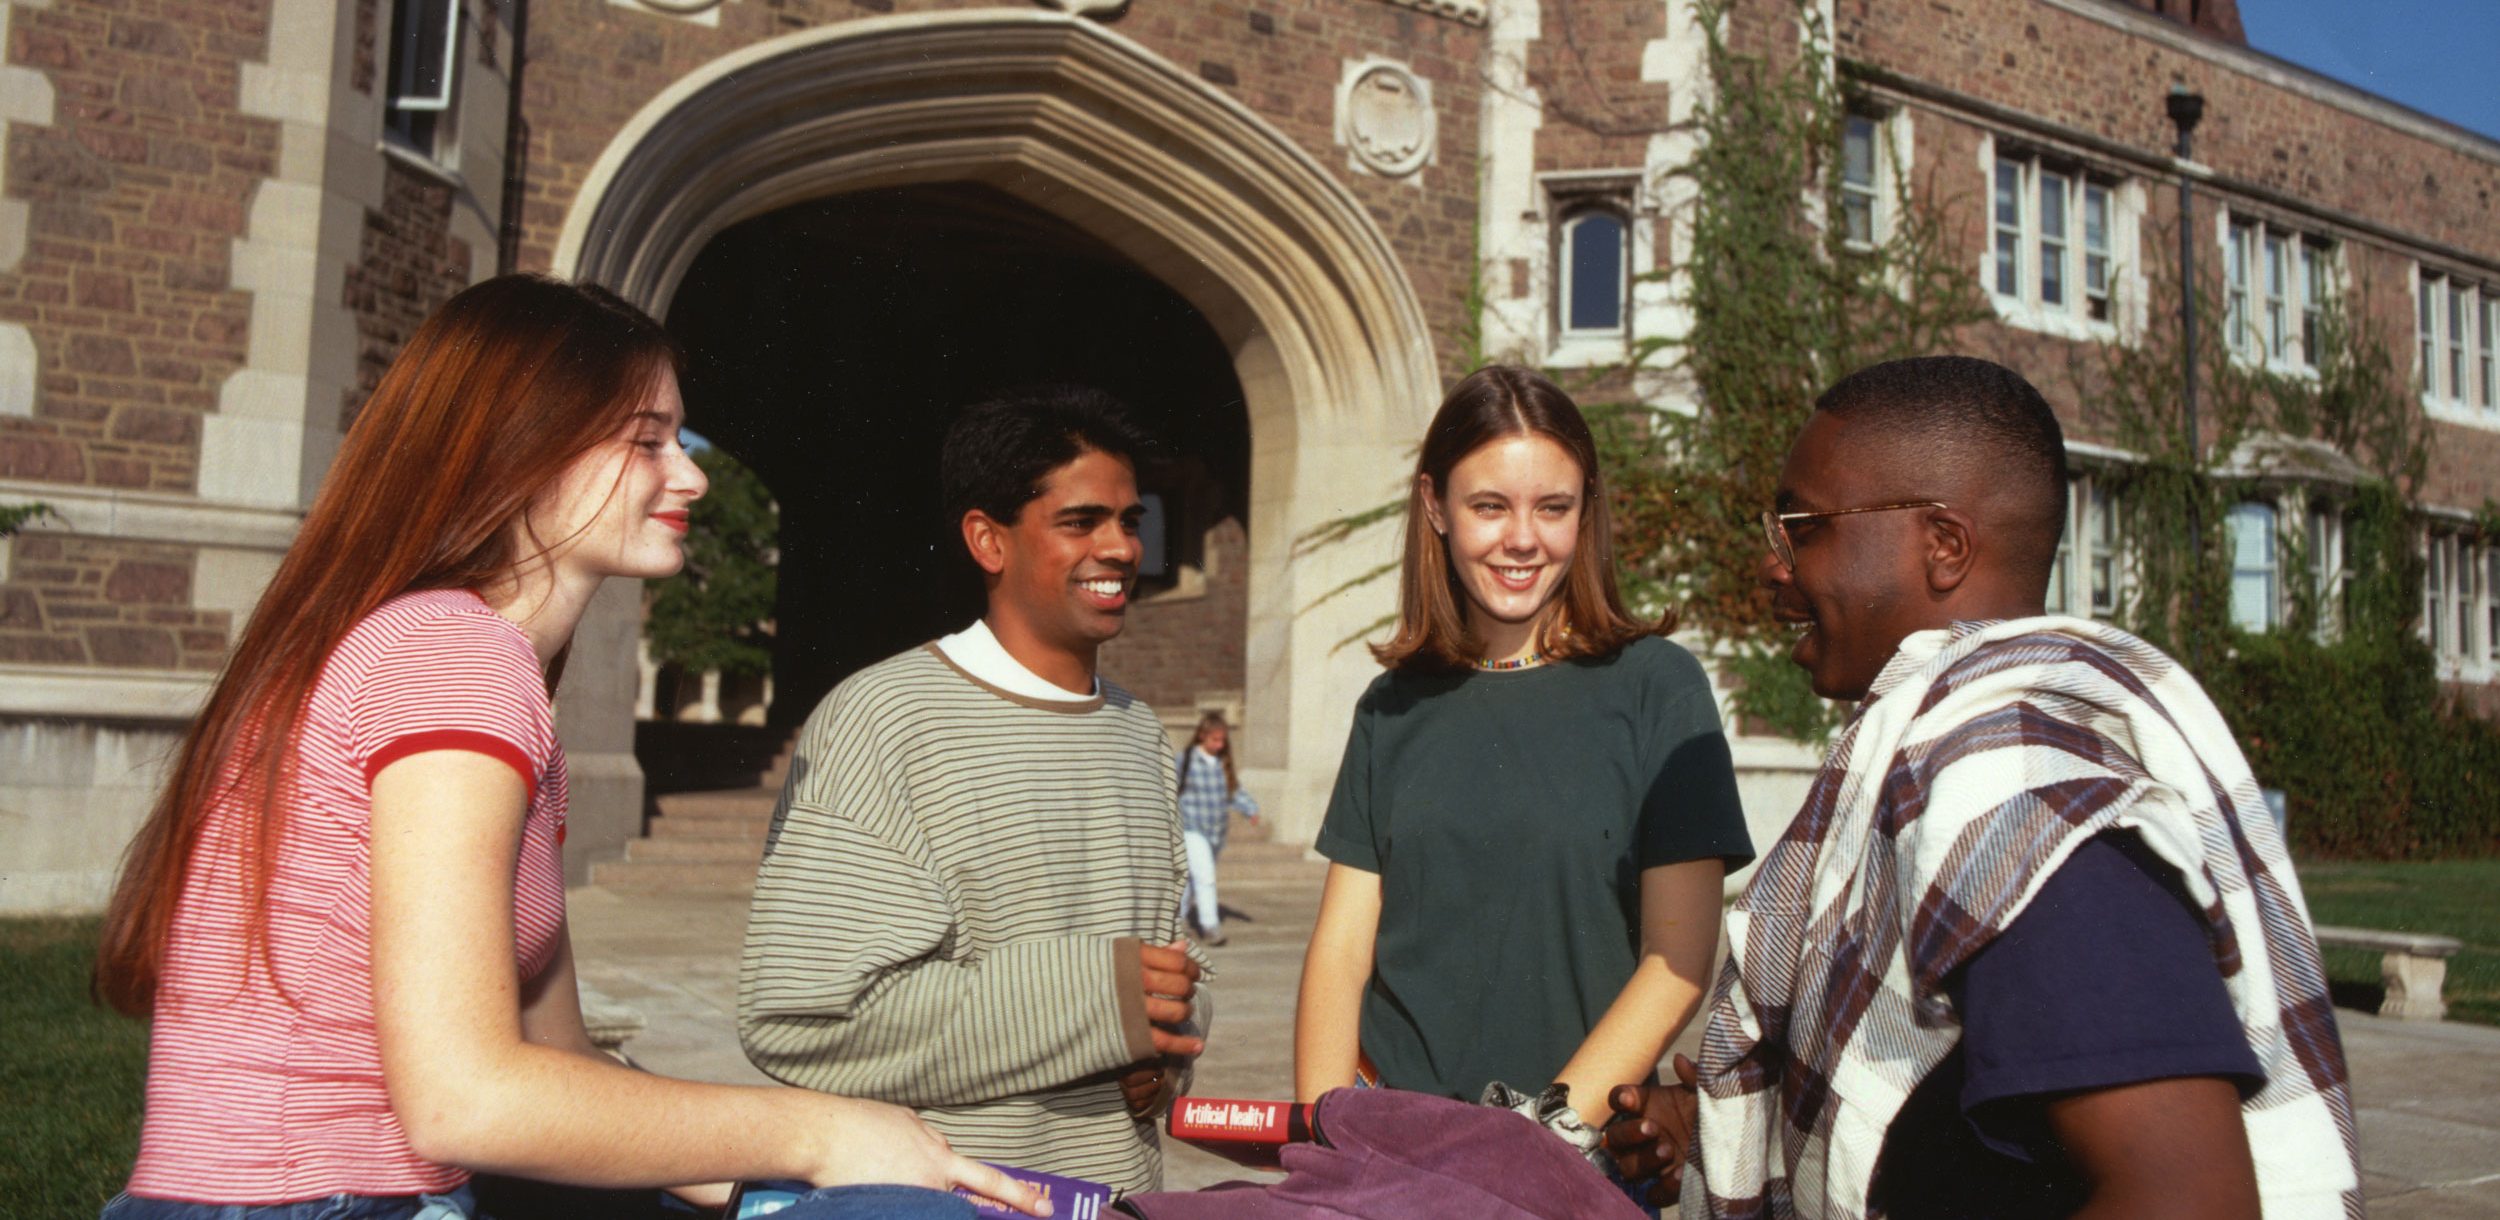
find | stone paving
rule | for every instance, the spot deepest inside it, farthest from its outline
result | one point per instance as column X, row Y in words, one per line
column 2428, row 1094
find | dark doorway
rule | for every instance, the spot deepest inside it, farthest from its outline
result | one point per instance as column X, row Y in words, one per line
column 830, row 345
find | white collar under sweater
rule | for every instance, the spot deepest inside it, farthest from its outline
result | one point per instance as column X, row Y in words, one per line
column 977, row 651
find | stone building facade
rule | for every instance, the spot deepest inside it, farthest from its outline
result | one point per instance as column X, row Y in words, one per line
column 1273, row 224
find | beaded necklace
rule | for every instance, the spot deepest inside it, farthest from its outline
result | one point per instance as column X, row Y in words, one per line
column 1530, row 661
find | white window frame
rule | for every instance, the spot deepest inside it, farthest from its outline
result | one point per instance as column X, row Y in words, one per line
column 2271, row 567
column 2325, row 521
column 2460, row 603
column 2015, row 284
column 1570, row 197
column 2473, row 596
column 2092, row 545
column 425, row 124
column 2317, row 293
column 1870, row 193
column 1566, row 286
column 2435, row 554
column 2491, row 605
column 2277, row 284
column 2456, row 346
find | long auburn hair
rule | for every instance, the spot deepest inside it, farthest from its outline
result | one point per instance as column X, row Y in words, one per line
column 1493, row 403
column 494, row 396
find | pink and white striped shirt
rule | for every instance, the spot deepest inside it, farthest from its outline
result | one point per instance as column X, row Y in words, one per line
column 266, row 1091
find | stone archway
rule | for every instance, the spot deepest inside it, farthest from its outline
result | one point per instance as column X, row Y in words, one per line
column 1326, row 337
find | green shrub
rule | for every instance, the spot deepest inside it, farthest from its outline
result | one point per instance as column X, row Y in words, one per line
column 2372, row 762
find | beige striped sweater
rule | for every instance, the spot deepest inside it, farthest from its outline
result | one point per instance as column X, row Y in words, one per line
column 948, row 911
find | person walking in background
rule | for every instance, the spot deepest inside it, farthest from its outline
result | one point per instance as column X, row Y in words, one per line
column 1537, row 806
column 345, row 917
column 1210, row 792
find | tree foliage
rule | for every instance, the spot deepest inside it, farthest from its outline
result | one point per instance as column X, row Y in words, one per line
column 718, row 612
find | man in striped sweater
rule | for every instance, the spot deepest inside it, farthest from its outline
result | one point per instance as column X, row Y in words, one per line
column 968, row 901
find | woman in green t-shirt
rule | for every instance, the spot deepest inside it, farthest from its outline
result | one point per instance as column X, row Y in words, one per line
column 1536, row 809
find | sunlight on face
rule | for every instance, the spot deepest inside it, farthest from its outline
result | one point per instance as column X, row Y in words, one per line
column 1511, row 515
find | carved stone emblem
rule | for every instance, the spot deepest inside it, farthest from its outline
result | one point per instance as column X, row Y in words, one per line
column 1385, row 118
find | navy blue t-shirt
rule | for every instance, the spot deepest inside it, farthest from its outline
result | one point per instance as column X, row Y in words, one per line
column 2106, row 979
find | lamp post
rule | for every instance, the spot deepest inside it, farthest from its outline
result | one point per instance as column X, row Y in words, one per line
column 2186, row 108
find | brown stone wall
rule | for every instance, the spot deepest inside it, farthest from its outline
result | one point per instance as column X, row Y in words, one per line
column 92, row 601
column 1586, row 67
column 592, row 64
column 1175, row 648
column 408, row 265
column 137, row 191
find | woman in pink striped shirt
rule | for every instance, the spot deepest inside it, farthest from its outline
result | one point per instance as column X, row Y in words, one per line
column 345, row 916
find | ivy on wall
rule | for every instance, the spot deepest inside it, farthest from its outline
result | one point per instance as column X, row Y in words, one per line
column 15, row 517
column 2339, row 706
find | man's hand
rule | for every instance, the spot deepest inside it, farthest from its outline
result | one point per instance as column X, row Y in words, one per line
column 1171, row 980
column 1652, row 1133
column 1148, row 1087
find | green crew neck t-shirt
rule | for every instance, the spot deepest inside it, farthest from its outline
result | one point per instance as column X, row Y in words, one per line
column 1509, row 815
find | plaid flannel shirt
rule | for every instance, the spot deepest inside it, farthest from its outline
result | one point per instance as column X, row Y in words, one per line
column 1982, row 757
column 1205, row 807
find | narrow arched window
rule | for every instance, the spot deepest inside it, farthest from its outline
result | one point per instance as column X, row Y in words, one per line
column 1595, row 271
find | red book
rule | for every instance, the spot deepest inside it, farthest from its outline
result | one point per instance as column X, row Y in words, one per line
column 1252, row 1133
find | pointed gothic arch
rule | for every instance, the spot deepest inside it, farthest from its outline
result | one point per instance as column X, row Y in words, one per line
column 1329, row 343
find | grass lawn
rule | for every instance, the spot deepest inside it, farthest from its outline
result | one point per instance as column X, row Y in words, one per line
column 72, row 1074
column 2459, row 898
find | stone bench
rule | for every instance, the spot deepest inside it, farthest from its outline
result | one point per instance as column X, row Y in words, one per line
column 2413, row 965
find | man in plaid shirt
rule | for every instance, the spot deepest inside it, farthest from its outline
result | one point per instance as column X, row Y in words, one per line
column 2031, row 946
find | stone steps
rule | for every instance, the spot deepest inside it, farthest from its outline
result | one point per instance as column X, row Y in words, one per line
column 708, row 849
column 673, row 875
column 729, row 803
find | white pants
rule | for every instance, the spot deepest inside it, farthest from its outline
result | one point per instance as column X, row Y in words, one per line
column 1201, row 853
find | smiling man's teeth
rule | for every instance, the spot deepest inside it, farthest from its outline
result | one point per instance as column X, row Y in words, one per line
column 1101, row 588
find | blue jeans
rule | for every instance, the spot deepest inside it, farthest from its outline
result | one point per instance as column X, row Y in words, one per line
column 832, row 1203
column 454, row 1205
column 877, row 1203
column 1637, row 1192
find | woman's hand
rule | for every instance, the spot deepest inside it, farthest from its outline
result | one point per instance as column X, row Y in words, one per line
column 870, row 1141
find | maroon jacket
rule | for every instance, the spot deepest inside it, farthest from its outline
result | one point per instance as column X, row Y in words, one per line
column 1387, row 1154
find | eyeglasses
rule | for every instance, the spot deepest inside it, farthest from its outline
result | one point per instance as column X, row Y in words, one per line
column 1775, row 524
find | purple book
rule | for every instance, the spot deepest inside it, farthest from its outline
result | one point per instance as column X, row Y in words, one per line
column 1071, row 1198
